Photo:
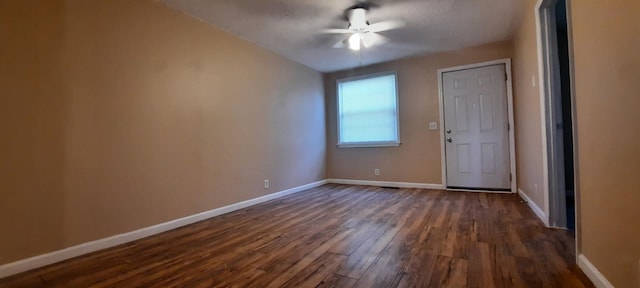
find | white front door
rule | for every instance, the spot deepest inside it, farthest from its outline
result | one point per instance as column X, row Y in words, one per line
column 476, row 128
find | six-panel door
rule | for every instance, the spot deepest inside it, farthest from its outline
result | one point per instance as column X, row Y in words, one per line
column 476, row 128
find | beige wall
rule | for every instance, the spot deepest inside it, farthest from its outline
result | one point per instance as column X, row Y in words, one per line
column 527, row 109
column 607, row 70
column 417, row 160
column 117, row 115
column 32, row 129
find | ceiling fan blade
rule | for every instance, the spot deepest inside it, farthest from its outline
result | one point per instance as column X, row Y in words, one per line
column 337, row 31
column 385, row 25
column 372, row 39
column 341, row 44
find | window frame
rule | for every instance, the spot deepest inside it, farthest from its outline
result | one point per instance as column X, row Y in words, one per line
column 393, row 143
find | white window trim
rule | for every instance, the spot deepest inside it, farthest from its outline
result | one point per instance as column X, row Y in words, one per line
column 368, row 144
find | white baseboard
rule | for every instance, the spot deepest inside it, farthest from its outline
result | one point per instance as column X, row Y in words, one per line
column 592, row 272
column 386, row 184
column 539, row 212
column 100, row 244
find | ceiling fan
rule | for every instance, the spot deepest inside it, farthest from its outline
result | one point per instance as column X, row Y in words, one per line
column 363, row 33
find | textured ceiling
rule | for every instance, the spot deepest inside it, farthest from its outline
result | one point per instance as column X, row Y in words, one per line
column 292, row 27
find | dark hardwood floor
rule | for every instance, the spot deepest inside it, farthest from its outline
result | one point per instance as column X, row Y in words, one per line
column 340, row 236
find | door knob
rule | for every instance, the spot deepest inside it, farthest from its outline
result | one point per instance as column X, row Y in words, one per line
column 448, row 131
column 449, row 140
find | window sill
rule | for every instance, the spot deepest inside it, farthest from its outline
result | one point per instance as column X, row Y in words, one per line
column 368, row 145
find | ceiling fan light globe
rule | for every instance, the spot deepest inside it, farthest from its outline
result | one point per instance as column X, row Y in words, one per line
column 354, row 42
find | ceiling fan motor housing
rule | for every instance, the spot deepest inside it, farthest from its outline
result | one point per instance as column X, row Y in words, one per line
column 358, row 19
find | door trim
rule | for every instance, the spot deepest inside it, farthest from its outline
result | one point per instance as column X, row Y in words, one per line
column 548, row 82
column 512, row 147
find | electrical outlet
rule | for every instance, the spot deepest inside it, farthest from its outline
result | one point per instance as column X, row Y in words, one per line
column 433, row 125
column 266, row 183
column 376, row 172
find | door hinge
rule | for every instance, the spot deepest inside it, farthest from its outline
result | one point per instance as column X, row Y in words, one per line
column 508, row 126
column 506, row 77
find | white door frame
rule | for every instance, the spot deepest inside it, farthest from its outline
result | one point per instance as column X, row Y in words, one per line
column 512, row 147
column 549, row 79
column 547, row 60
column 549, row 87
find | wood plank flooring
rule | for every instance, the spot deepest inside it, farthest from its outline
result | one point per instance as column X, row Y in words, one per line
column 340, row 236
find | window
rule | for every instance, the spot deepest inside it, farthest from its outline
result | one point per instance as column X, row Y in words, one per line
column 368, row 111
